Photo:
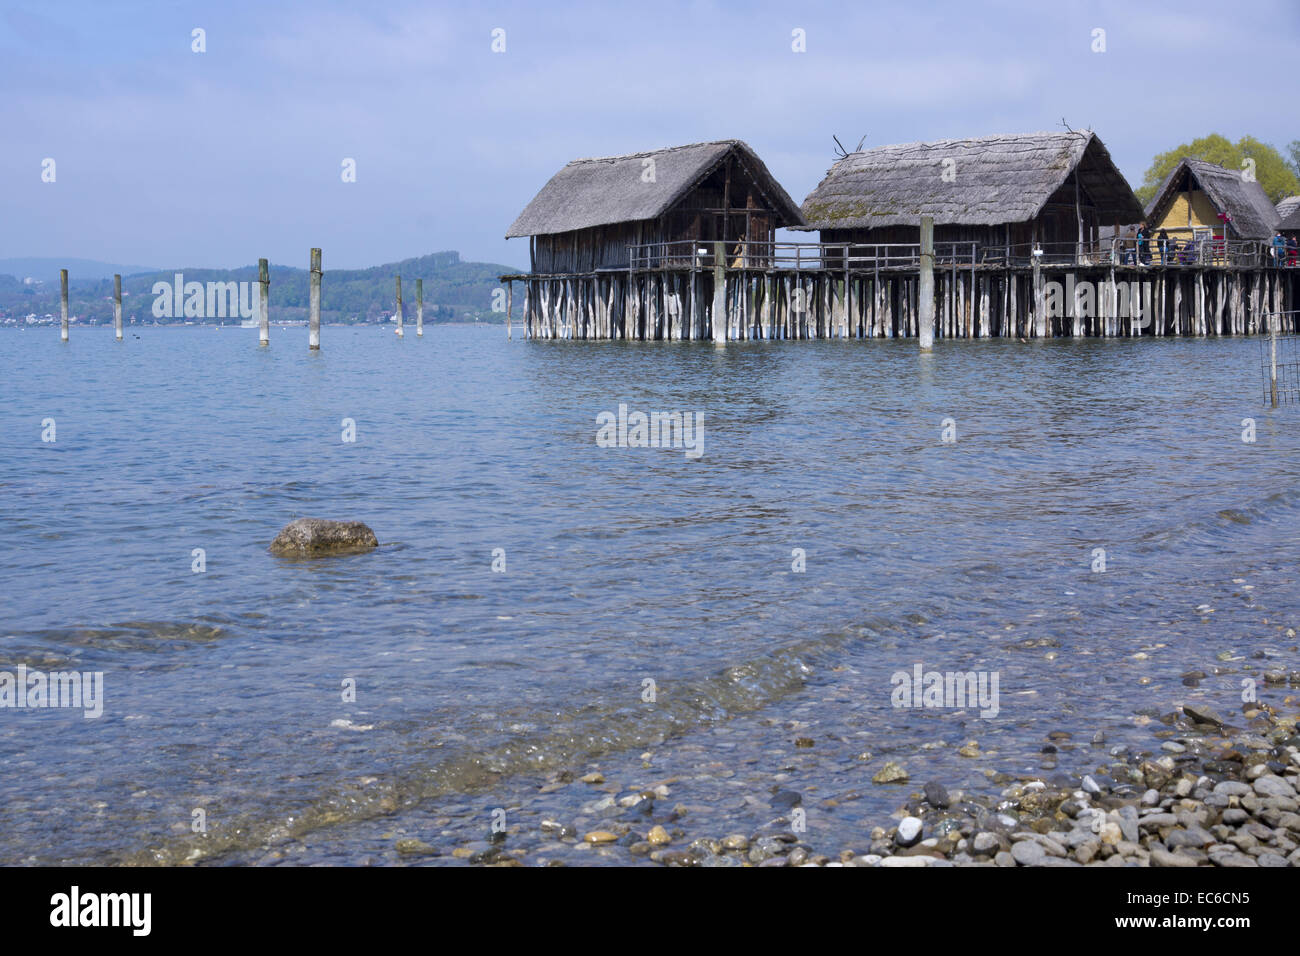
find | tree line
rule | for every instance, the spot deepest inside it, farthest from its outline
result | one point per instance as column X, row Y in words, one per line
column 1277, row 172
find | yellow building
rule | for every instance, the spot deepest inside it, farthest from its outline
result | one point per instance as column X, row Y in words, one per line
column 1192, row 201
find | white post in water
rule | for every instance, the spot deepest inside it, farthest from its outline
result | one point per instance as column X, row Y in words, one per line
column 117, row 306
column 400, row 332
column 419, row 307
column 264, row 303
column 63, row 304
column 719, row 293
column 925, row 285
column 313, row 326
column 1272, row 357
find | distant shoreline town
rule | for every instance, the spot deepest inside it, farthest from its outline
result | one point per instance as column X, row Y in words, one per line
column 454, row 291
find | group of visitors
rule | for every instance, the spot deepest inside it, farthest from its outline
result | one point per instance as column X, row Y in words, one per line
column 1283, row 250
column 1286, row 251
column 1171, row 251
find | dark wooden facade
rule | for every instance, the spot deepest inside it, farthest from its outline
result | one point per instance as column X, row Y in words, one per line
column 728, row 205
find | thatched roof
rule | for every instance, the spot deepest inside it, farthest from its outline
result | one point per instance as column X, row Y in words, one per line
column 599, row 192
column 1253, row 216
column 995, row 180
column 1292, row 222
column 1287, row 206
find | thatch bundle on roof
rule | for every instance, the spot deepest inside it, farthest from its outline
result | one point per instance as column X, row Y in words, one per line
column 1194, row 194
column 1285, row 210
column 991, row 189
column 1291, row 223
column 585, row 217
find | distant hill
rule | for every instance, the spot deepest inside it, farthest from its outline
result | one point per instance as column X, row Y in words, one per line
column 47, row 270
column 453, row 290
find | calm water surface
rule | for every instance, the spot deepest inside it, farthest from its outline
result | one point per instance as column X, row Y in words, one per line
column 224, row 689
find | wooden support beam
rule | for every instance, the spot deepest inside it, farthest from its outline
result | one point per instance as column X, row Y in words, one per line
column 719, row 317
column 925, row 290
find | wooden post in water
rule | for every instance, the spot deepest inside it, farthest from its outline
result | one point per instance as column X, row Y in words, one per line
column 263, row 302
column 925, row 287
column 719, row 293
column 313, row 322
column 400, row 332
column 117, row 307
column 419, row 308
column 63, row 304
column 510, row 305
column 1040, row 310
column 1272, row 358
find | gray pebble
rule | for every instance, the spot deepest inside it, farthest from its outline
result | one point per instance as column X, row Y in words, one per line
column 1028, row 853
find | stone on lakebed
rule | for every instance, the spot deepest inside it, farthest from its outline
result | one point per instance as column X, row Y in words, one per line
column 313, row 537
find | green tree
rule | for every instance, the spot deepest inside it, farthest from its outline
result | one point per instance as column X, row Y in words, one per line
column 1294, row 149
column 1277, row 176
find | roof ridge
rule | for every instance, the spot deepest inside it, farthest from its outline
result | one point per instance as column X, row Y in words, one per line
column 1206, row 162
column 992, row 139
column 655, row 152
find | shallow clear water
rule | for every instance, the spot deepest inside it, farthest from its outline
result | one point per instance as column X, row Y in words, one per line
column 223, row 689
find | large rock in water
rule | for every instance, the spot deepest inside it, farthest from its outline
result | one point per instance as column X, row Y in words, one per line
column 313, row 537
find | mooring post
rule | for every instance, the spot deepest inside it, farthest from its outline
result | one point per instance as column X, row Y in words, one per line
column 264, row 302
column 925, row 287
column 1272, row 358
column 313, row 328
column 510, row 304
column 117, row 306
column 400, row 332
column 419, row 307
column 719, row 293
column 63, row 304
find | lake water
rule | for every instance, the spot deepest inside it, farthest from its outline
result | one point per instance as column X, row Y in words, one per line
column 224, row 689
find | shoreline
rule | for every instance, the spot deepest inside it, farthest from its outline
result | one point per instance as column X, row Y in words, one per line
column 1214, row 792
column 1208, row 790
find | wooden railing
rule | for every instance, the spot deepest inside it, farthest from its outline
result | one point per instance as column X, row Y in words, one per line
column 823, row 256
column 841, row 256
column 1121, row 251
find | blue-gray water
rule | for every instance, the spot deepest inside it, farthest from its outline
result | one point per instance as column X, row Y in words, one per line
column 224, row 689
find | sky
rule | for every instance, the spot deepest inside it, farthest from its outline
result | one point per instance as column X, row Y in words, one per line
column 168, row 157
